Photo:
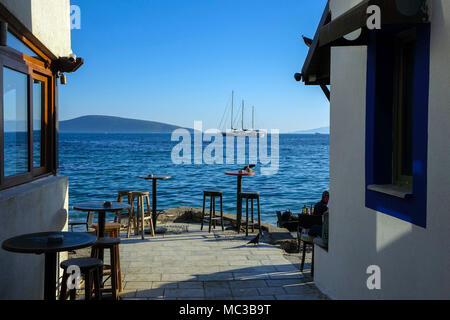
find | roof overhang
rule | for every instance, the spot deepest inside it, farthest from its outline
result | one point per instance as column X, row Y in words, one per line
column 330, row 33
column 57, row 64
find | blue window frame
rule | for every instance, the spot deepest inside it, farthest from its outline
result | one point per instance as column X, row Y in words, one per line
column 381, row 146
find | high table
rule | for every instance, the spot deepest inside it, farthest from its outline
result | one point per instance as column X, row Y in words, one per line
column 38, row 243
column 101, row 209
column 154, row 179
column 239, row 175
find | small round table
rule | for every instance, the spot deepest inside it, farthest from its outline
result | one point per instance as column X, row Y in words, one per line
column 38, row 243
column 154, row 180
column 101, row 209
column 98, row 206
column 239, row 175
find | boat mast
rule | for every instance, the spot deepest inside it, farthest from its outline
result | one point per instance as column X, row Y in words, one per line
column 232, row 104
column 253, row 117
column 242, row 114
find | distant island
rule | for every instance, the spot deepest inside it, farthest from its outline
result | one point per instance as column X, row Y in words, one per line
column 321, row 130
column 109, row 124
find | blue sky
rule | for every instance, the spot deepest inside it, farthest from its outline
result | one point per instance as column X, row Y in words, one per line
column 177, row 61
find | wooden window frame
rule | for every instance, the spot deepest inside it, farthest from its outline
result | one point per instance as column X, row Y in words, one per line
column 35, row 69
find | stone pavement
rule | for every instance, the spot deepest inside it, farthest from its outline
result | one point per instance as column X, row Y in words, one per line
column 197, row 265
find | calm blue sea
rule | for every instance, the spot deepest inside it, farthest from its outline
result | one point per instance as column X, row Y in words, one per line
column 100, row 164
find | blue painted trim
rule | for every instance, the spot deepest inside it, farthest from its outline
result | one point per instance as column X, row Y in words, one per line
column 379, row 99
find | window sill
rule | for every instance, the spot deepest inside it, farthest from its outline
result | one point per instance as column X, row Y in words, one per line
column 392, row 190
column 319, row 242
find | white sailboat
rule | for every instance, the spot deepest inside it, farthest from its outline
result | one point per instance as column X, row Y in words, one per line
column 234, row 132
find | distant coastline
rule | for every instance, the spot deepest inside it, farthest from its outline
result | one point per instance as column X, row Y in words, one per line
column 110, row 124
column 321, row 130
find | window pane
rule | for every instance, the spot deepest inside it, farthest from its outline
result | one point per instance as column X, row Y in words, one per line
column 407, row 114
column 15, row 43
column 38, row 94
column 15, row 114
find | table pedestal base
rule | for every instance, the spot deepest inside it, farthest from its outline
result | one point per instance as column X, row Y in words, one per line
column 50, row 276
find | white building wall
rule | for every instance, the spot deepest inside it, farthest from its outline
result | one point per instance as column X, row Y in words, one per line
column 414, row 261
column 38, row 206
column 48, row 20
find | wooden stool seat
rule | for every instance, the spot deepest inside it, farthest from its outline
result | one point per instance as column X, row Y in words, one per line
column 90, row 267
column 111, row 228
column 107, row 242
column 124, row 193
column 211, row 217
column 215, row 193
column 139, row 193
column 116, row 271
column 251, row 195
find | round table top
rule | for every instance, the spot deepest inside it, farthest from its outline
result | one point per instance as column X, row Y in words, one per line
column 239, row 173
column 38, row 242
column 155, row 177
column 98, row 206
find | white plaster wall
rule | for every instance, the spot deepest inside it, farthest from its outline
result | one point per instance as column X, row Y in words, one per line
column 414, row 261
column 34, row 207
column 48, row 20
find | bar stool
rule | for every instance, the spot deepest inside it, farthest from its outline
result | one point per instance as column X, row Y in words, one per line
column 213, row 194
column 249, row 195
column 121, row 194
column 90, row 268
column 115, row 271
column 140, row 212
column 112, row 229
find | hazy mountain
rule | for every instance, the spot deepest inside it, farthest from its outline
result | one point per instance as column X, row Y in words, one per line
column 322, row 130
column 108, row 124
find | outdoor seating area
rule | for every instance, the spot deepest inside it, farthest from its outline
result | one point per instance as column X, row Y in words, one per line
column 218, row 264
column 187, row 263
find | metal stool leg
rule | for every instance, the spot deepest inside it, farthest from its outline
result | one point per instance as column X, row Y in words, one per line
column 221, row 212
column 87, row 285
column 214, row 212
column 114, row 273
column 152, row 229
column 98, row 294
column 259, row 216
column 203, row 211
column 63, row 291
column 246, row 224
column 253, row 220
column 210, row 213
column 141, row 201
column 303, row 257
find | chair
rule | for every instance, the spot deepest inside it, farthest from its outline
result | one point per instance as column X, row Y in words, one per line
column 306, row 221
column 213, row 194
column 249, row 195
column 88, row 223
column 90, row 268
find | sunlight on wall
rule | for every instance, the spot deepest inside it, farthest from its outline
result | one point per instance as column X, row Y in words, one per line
column 390, row 230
